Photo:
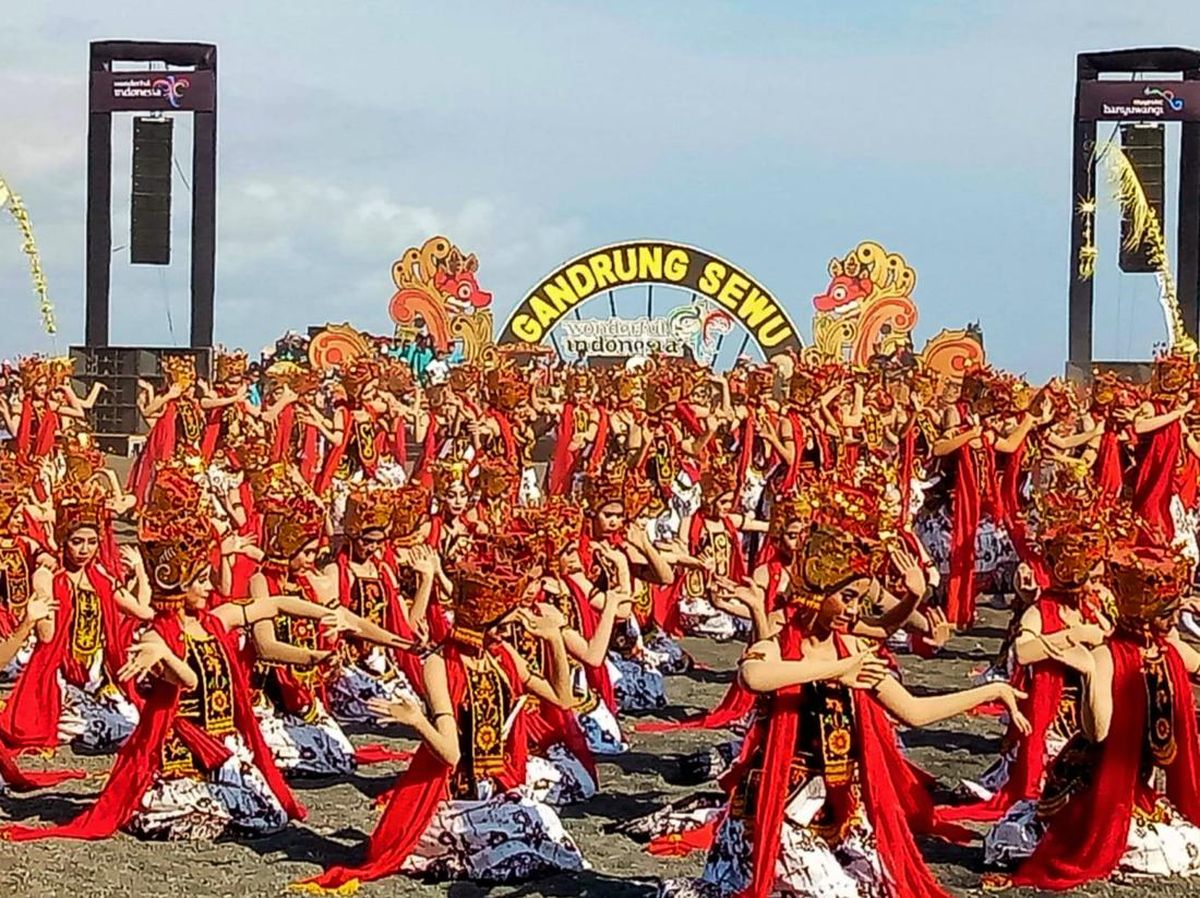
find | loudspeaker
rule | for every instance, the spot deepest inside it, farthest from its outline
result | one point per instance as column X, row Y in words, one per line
column 150, row 203
column 1143, row 145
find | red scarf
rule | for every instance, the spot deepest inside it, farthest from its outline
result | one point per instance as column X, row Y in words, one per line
column 966, row 511
column 1044, row 683
column 1155, row 483
column 140, row 757
column 30, row 717
column 158, row 448
column 565, row 459
column 423, row 787
column 1087, row 838
column 892, row 798
column 1107, row 471
column 334, row 457
column 799, row 441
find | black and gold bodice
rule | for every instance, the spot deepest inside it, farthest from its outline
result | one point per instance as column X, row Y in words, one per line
column 209, row 706
column 716, row 547
column 368, row 599
column 16, row 582
column 606, row 575
column 482, row 717
column 826, row 746
column 86, row 637
column 190, row 423
column 363, row 448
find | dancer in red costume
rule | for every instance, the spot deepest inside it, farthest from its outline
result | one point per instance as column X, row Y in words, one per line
column 818, row 803
column 1122, row 798
column 462, row 809
column 196, row 767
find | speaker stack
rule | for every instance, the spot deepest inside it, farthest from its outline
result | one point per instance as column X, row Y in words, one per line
column 150, row 207
column 1144, row 147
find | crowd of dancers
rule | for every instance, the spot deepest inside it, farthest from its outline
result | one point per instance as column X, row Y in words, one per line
column 317, row 548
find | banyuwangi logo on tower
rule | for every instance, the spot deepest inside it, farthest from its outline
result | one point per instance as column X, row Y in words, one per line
column 1154, row 102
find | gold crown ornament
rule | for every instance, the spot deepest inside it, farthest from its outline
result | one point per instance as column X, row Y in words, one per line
column 580, row 380
column 410, row 507
column 719, row 477
column 487, row 588
column 34, row 371
column 465, row 378
column 641, row 496
column 450, row 471
column 1110, row 392
column 230, row 366
column 1147, row 583
column 553, row 526
column 829, row 559
column 175, row 532
column 803, row 388
column 498, row 478
column 368, row 509
column 506, row 389
column 82, row 459
column 179, row 370
column 289, row 524
column 78, row 505
column 604, row 486
column 1172, row 374
column 357, row 376
column 397, row 378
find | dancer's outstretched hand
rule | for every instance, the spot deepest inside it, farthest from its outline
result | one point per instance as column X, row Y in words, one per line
column 143, row 658
column 401, row 709
column 1010, row 698
column 867, row 670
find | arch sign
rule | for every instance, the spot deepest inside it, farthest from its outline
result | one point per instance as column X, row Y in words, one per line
column 592, row 274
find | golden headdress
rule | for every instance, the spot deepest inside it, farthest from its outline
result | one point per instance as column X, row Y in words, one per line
column 82, row 459
column 289, row 524
column 358, row 375
column 410, row 507
column 507, row 390
column 1147, row 583
column 490, row 582
column 1173, row 373
column 719, row 476
column 498, row 478
column 368, row 509
column 176, row 533
column 604, row 486
column 1110, row 392
column 449, row 471
column 230, row 366
column 851, row 526
column 803, row 388
column 397, row 377
column 552, row 526
column 33, row 370
column 179, row 370
column 78, row 505
column 1073, row 531
column 464, row 377
column 16, row 482
column 580, row 380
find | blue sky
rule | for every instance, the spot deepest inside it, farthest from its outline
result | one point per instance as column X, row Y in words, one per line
column 776, row 135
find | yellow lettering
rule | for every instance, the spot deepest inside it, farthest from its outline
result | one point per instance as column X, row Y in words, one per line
column 675, row 266
column 755, row 309
column 710, row 280
column 602, row 268
column 560, row 293
column 581, row 279
column 527, row 329
column 545, row 314
column 734, row 289
column 650, row 263
column 774, row 332
column 628, row 271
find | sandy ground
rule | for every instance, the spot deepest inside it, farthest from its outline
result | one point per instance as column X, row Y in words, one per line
column 340, row 815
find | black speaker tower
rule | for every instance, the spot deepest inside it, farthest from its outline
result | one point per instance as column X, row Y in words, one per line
column 162, row 80
column 1156, row 85
column 150, row 199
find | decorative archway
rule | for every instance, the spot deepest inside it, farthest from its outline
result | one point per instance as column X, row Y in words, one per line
column 722, row 295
